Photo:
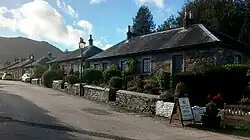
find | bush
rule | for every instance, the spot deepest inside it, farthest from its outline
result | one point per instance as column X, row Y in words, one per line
column 151, row 86
column 71, row 79
column 230, row 80
column 92, row 75
column 116, row 82
column 245, row 101
column 111, row 72
column 48, row 77
column 39, row 70
column 59, row 75
column 164, row 80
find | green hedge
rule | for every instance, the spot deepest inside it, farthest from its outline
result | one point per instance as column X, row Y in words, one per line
column 71, row 79
column 230, row 80
column 116, row 82
column 111, row 72
column 92, row 76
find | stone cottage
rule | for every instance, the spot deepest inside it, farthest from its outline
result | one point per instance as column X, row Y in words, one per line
column 175, row 50
column 18, row 70
column 43, row 61
column 71, row 60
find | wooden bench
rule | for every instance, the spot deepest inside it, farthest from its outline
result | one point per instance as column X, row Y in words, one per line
column 236, row 114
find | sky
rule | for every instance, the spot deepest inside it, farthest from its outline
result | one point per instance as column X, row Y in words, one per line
column 63, row 22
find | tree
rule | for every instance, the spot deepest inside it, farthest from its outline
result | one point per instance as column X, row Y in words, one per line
column 171, row 22
column 143, row 22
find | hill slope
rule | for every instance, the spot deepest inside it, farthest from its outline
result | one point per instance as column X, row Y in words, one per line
column 20, row 47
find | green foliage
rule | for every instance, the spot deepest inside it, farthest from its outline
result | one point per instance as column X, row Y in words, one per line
column 91, row 76
column 71, row 79
column 71, row 72
column 48, row 77
column 39, row 70
column 171, row 22
column 55, row 66
column 151, row 86
column 87, row 64
column 163, row 78
column 143, row 22
column 116, row 82
column 230, row 80
column 131, row 67
column 59, row 74
column 77, row 74
column 111, row 72
column 245, row 101
column 180, row 89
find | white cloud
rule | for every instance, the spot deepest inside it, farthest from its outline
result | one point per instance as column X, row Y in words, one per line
column 122, row 30
column 96, row 1
column 158, row 3
column 103, row 43
column 67, row 8
column 38, row 20
column 86, row 26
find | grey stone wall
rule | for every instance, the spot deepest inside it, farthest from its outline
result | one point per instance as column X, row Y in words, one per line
column 57, row 84
column 96, row 93
column 137, row 102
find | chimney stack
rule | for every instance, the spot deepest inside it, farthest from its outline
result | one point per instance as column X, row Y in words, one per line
column 129, row 33
column 49, row 54
column 90, row 40
column 187, row 20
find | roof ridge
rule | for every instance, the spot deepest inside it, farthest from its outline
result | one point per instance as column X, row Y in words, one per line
column 208, row 32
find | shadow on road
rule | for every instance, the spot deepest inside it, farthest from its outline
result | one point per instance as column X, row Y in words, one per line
column 21, row 119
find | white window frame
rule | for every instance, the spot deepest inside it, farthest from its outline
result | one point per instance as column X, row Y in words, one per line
column 149, row 67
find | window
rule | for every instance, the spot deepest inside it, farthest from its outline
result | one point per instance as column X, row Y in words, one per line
column 237, row 59
column 146, row 64
column 104, row 66
column 96, row 66
column 123, row 65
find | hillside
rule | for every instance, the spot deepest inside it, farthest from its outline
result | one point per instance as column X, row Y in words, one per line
column 20, row 47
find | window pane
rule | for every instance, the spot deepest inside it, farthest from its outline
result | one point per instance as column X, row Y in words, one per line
column 146, row 65
column 123, row 65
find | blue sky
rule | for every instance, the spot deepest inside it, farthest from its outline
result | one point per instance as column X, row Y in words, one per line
column 62, row 22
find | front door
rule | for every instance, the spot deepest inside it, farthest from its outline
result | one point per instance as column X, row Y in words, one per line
column 177, row 64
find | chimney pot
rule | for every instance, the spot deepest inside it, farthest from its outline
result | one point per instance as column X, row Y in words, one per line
column 90, row 40
column 129, row 33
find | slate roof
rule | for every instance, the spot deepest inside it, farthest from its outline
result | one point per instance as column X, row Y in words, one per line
column 21, row 64
column 169, row 39
column 88, row 51
column 42, row 62
column 11, row 64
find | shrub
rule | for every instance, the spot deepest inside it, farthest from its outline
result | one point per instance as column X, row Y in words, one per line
column 230, row 80
column 39, row 70
column 164, row 80
column 245, row 101
column 71, row 72
column 71, row 79
column 131, row 67
column 87, row 64
column 59, row 75
column 111, row 72
column 151, row 86
column 180, row 89
column 116, row 82
column 48, row 77
column 91, row 75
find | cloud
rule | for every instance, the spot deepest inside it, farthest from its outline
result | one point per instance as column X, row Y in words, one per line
column 122, row 30
column 86, row 26
column 67, row 8
column 103, row 43
column 96, row 1
column 38, row 20
column 158, row 3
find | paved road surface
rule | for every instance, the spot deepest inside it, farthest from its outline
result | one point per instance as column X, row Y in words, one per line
column 36, row 113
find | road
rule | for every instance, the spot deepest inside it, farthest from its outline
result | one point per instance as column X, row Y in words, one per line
column 29, row 112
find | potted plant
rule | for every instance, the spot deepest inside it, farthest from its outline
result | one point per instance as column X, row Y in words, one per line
column 210, row 118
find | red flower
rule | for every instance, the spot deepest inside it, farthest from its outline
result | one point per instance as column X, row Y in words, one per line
column 216, row 97
column 209, row 97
